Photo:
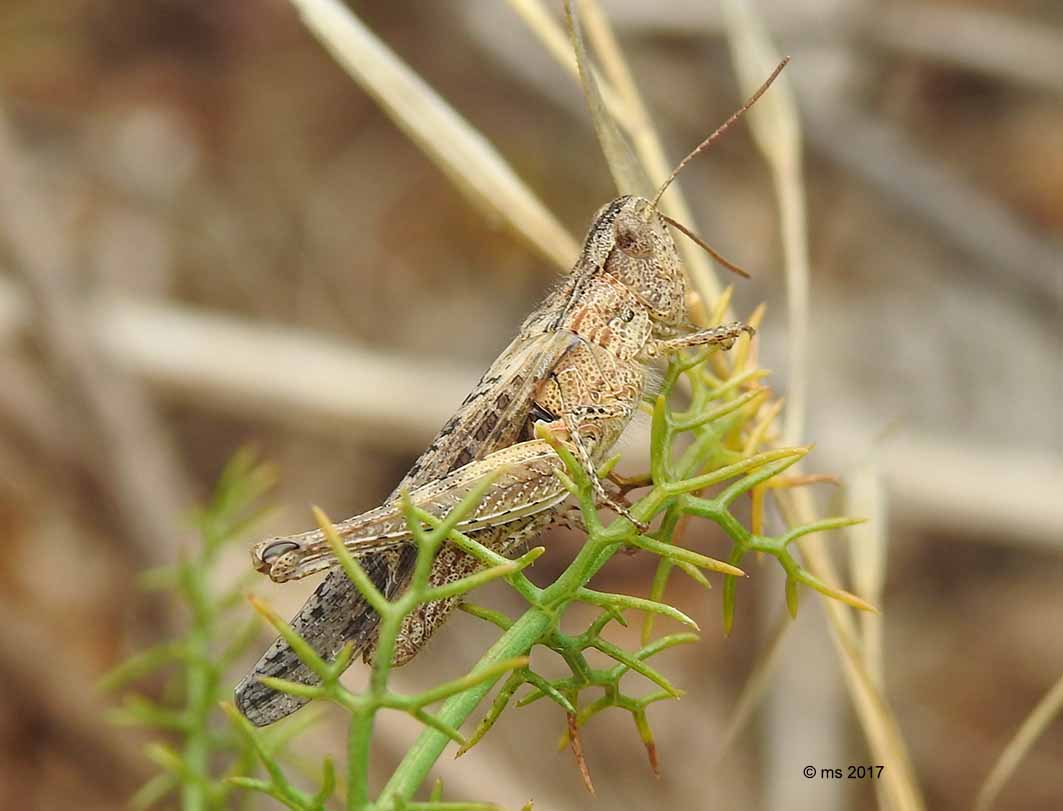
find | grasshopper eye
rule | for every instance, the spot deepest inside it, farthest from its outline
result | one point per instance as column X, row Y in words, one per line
column 634, row 236
column 274, row 551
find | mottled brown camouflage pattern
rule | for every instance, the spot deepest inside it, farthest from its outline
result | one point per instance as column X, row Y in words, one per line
column 579, row 364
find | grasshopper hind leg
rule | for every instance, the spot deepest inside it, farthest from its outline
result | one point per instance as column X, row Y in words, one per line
column 336, row 614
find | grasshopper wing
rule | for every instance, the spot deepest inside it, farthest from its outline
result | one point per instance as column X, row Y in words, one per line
column 497, row 412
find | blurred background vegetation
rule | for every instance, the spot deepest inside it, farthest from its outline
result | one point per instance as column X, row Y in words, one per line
column 210, row 236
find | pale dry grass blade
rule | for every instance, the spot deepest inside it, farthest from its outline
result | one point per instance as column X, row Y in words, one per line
column 623, row 101
column 774, row 124
column 464, row 154
column 876, row 717
column 920, row 189
column 295, row 377
column 307, row 380
column 865, row 497
column 979, row 490
column 777, row 132
column 648, row 146
column 542, row 23
column 626, row 170
column 878, row 721
column 1048, row 709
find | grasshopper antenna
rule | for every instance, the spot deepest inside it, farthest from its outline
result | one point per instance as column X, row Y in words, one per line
column 731, row 266
column 726, row 125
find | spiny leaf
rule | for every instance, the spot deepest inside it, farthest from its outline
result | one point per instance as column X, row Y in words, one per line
column 462, row 684
column 646, row 734
column 548, row 690
column 761, row 463
column 301, row 647
column 679, row 553
column 439, row 725
column 729, row 407
column 328, row 784
column 140, row 665
column 823, row 525
column 637, row 603
column 351, row 567
column 153, row 791
column 838, row 594
column 660, row 442
column 640, row 667
column 500, row 703
column 577, row 751
column 496, row 618
column 294, row 688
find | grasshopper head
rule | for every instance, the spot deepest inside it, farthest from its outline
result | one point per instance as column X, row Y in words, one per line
column 274, row 557
column 634, row 247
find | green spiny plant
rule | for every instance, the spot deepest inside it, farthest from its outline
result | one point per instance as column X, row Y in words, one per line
column 199, row 751
column 721, row 429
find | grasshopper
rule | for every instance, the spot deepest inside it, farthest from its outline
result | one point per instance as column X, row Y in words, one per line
column 580, row 365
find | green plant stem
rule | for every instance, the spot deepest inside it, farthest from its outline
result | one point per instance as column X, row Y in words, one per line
column 196, row 750
column 199, row 701
column 359, row 737
column 415, row 766
column 361, row 729
column 517, row 641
